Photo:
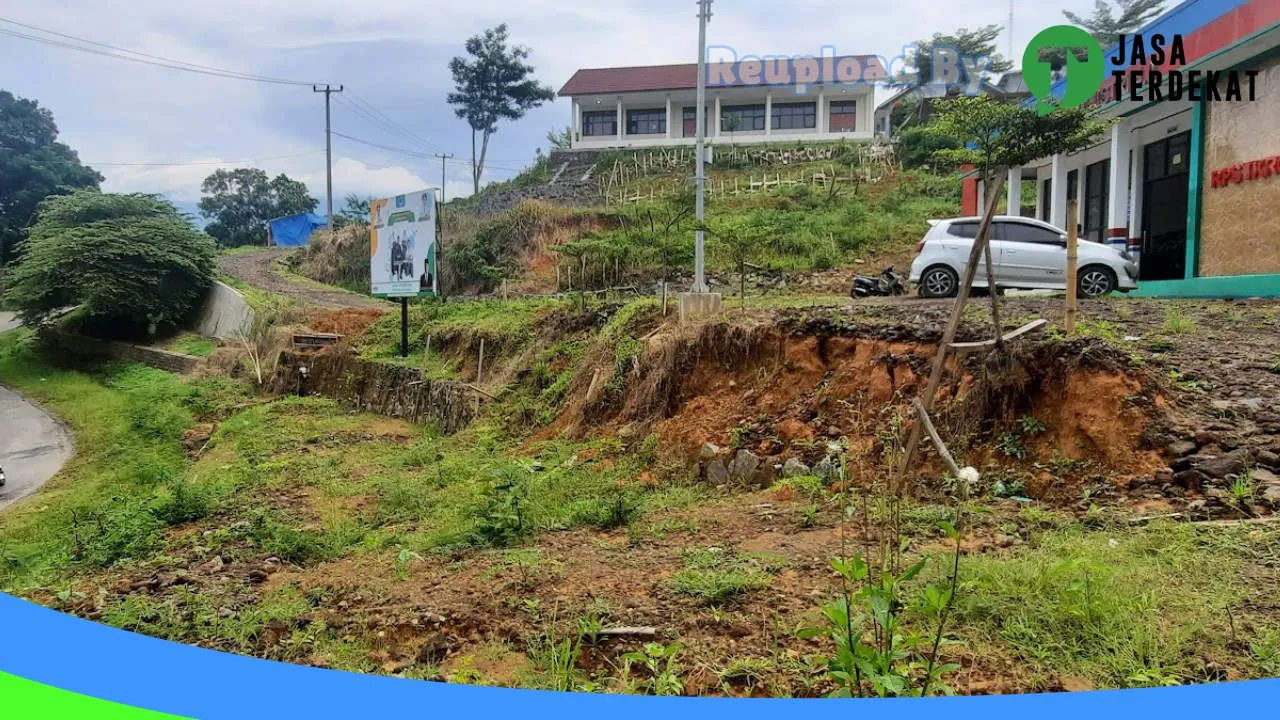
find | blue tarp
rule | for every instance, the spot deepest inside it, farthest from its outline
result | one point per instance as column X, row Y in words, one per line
column 295, row 230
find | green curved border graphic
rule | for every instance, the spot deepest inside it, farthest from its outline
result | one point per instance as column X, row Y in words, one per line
column 29, row 700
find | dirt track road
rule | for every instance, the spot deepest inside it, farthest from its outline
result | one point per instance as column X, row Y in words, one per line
column 33, row 446
column 258, row 269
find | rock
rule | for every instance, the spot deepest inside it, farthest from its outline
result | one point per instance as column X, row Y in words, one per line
column 716, row 473
column 1196, row 506
column 1233, row 463
column 1268, row 459
column 795, row 468
column 1217, row 495
column 1190, row 479
column 1271, row 496
column 1181, row 448
column 709, row 451
column 766, row 474
column 827, row 468
column 214, row 565
column 744, row 465
column 1206, row 437
column 1173, row 491
column 258, row 575
column 1164, row 476
column 1262, row 476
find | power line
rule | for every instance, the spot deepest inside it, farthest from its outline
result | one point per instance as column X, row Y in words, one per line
column 114, row 51
column 246, row 161
column 414, row 153
column 362, row 101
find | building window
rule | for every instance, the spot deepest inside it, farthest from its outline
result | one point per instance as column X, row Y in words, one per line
column 844, row 115
column 795, row 116
column 1046, row 199
column 690, row 121
column 598, row 123
column 741, row 118
column 646, row 122
column 1096, row 179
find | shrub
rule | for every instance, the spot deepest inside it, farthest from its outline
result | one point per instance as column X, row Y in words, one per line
column 132, row 263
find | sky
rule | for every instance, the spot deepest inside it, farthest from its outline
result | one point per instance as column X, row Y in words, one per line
column 392, row 59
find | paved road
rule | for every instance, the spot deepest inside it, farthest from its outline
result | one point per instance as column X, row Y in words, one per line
column 33, row 446
column 258, row 269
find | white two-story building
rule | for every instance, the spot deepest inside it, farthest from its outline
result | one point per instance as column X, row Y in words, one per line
column 747, row 102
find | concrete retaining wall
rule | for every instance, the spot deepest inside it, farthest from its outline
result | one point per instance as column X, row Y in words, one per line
column 225, row 312
column 391, row 390
column 81, row 347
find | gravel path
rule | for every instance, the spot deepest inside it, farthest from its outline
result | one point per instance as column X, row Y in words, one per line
column 258, row 269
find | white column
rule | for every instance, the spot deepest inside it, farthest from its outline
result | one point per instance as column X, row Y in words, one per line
column 1058, row 178
column 715, row 120
column 823, row 123
column 622, row 124
column 982, row 196
column 1014, row 197
column 1118, row 197
column 670, row 123
column 768, row 113
column 1135, row 193
column 574, row 114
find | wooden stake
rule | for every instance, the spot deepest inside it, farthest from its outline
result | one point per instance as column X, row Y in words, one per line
column 922, row 416
column 1073, row 301
column 949, row 334
column 480, row 364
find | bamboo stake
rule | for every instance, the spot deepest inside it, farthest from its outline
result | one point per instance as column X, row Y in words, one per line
column 1073, row 301
column 923, row 416
column 949, row 335
column 480, row 364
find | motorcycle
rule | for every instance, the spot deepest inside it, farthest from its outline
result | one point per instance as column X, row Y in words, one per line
column 887, row 284
column 1, row 477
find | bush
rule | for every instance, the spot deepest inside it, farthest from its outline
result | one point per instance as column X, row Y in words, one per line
column 917, row 145
column 132, row 263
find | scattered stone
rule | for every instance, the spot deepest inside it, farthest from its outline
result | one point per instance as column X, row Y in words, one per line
column 1233, row 463
column 795, row 468
column 827, row 468
column 744, row 465
column 1190, row 479
column 214, row 565
column 716, row 473
column 1268, row 459
column 1271, row 496
column 1196, row 506
column 258, row 575
column 1173, row 491
column 710, row 451
column 1181, row 448
column 1217, row 495
column 1164, row 476
column 1264, row 476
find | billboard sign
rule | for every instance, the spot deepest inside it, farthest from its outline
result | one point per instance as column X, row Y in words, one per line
column 402, row 239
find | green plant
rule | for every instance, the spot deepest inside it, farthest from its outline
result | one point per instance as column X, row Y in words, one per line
column 403, row 558
column 139, row 268
column 557, row 660
column 661, row 669
column 1178, row 323
column 1010, row 443
column 502, row 521
column 715, row 576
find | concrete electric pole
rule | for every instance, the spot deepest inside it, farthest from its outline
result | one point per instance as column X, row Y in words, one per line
column 444, row 157
column 699, row 241
column 328, row 147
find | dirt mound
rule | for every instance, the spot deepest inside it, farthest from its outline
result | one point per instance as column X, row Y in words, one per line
column 1052, row 414
column 348, row 322
column 339, row 258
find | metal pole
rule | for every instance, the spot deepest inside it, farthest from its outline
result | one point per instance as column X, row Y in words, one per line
column 404, row 327
column 328, row 148
column 699, row 243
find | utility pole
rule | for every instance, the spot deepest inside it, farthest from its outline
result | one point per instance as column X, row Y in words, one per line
column 444, row 157
column 699, row 245
column 328, row 147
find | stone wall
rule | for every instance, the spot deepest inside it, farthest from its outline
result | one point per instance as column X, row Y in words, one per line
column 224, row 313
column 391, row 390
column 82, row 347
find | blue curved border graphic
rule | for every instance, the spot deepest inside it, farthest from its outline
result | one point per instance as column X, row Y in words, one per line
column 95, row 660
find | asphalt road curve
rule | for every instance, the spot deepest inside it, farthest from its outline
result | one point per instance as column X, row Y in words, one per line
column 33, row 447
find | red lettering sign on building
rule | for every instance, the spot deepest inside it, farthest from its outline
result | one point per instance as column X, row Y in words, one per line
column 1245, row 172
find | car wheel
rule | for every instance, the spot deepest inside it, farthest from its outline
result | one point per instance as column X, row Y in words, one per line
column 939, row 281
column 1095, row 281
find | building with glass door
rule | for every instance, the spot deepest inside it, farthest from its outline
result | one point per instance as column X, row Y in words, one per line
column 1190, row 187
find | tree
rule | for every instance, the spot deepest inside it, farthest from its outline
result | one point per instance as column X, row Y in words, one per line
column 740, row 242
column 560, row 139
column 131, row 262
column 356, row 210
column 495, row 85
column 1105, row 25
column 33, row 166
column 240, row 202
column 969, row 44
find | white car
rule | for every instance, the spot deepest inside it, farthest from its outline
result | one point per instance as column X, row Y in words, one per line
column 1028, row 255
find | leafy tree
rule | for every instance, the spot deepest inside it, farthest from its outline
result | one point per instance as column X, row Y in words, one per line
column 739, row 241
column 560, row 139
column 495, row 85
column 356, row 211
column 918, row 146
column 977, row 43
column 995, row 136
column 131, row 262
column 240, row 202
column 33, row 166
column 1105, row 24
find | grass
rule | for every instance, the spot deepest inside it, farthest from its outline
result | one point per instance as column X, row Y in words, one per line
column 1176, row 322
column 715, row 576
column 1128, row 608
column 192, row 344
